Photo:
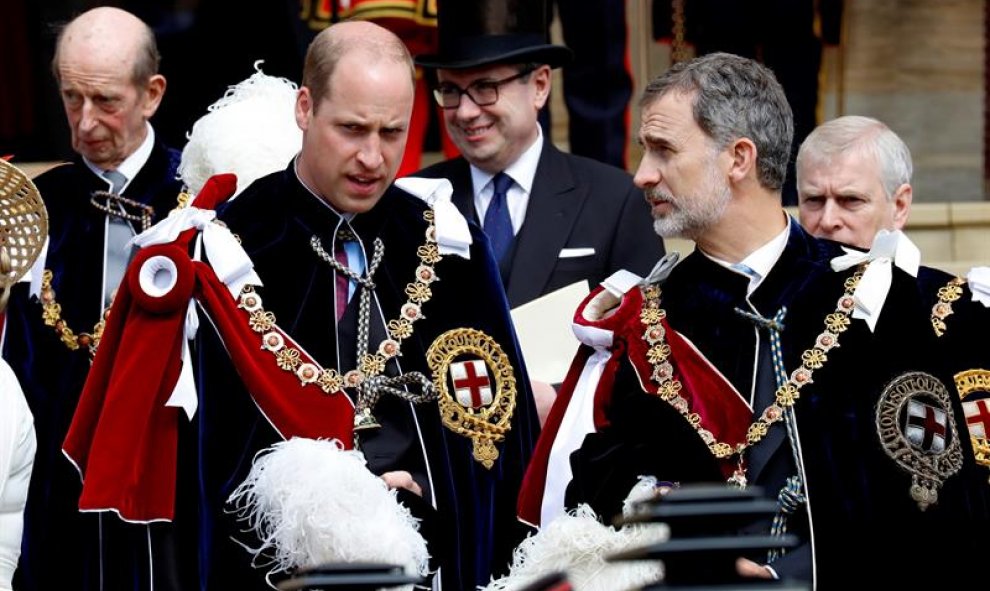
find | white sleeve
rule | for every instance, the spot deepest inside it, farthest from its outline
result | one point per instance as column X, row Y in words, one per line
column 17, row 448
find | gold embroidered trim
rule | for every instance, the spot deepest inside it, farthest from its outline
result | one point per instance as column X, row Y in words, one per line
column 488, row 425
column 370, row 364
column 52, row 315
column 669, row 387
column 183, row 200
column 942, row 309
column 929, row 468
column 52, row 311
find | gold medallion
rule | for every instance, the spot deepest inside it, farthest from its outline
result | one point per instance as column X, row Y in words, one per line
column 973, row 386
column 476, row 388
column 917, row 430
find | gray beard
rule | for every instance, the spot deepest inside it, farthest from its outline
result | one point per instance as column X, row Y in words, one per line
column 696, row 219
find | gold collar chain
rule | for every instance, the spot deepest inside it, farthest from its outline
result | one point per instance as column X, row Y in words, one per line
column 51, row 313
column 51, row 310
column 289, row 358
column 942, row 309
column 669, row 387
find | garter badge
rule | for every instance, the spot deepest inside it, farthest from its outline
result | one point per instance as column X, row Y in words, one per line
column 918, row 432
column 973, row 386
column 476, row 388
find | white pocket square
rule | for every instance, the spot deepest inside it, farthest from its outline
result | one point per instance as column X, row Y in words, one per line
column 571, row 253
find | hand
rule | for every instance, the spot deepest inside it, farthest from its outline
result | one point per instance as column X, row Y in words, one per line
column 751, row 570
column 402, row 479
column 544, row 395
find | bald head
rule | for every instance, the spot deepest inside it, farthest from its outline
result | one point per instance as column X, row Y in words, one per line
column 106, row 66
column 372, row 41
column 112, row 36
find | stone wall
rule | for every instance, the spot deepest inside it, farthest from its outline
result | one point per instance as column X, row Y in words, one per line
column 917, row 65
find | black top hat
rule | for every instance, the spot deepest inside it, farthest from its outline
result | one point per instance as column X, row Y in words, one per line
column 475, row 33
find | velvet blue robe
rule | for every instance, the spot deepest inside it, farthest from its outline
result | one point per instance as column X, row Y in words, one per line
column 59, row 549
column 859, row 499
column 472, row 529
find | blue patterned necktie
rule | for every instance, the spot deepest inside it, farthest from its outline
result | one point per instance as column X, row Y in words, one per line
column 754, row 277
column 498, row 224
column 119, row 232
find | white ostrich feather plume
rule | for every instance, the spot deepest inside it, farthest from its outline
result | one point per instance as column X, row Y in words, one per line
column 645, row 489
column 310, row 503
column 251, row 131
column 578, row 543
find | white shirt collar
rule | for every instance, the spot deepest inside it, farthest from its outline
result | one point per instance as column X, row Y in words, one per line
column 761, row 260
column 133, row 164
column 522, row 171
column 765, row 257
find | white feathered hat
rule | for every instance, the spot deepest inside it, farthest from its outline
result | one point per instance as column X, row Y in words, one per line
column 250, row 132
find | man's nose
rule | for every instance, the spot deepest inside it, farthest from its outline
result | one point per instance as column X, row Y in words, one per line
column 370, row 155
column 831, row 215
column 467, row 108
column 647, row 173
column 88, row 119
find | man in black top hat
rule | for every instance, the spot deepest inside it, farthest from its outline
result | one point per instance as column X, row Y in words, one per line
column 553, row 218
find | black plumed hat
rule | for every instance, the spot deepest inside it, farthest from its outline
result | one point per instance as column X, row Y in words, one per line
column 474, row 33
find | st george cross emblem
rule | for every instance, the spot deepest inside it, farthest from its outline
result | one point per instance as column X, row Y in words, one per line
column 472, row 386
column 977, row 417
column 476, row 389
column 926, row 427
column 973, row 386
column 917, row 431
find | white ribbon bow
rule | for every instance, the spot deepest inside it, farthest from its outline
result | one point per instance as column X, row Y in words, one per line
column 453, row 234
column 889, row 248
column 979, row 283
column 184, row 394
column 229, row 261
column 615, row 287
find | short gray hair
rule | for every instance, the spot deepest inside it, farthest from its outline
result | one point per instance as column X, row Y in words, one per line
column 735, row 97
column 870, row 135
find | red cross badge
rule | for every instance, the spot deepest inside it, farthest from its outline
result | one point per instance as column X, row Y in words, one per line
column 917, row 430
column 476, row 389
column 926, row 426
column 973, row 386
column 472, row 387
column 977, row 416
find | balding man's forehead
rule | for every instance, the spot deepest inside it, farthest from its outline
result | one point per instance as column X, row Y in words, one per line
column 105, row 24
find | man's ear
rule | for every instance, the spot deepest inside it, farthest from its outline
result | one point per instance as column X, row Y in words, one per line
column 902, row 205
column 304, row 108
column 153, row 93
column 541, row 79
column 743, row 154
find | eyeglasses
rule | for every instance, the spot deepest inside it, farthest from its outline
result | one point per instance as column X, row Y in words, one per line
column 482, row 92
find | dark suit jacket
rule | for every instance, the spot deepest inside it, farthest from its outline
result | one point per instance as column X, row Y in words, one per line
column 576, row 202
